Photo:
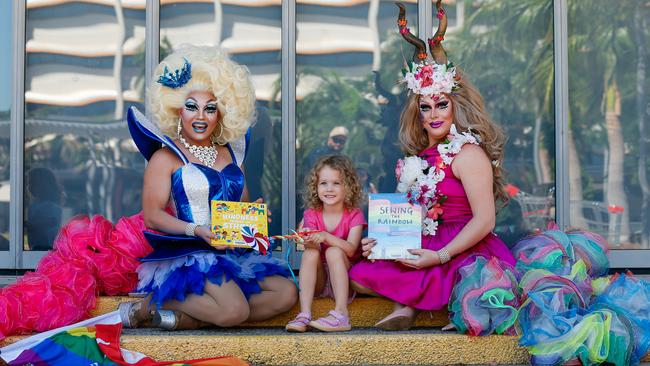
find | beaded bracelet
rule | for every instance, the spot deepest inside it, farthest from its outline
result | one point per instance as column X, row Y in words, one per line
column 189, row 229
column 444, row 256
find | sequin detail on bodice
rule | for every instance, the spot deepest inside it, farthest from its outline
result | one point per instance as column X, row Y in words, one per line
column 195, row 185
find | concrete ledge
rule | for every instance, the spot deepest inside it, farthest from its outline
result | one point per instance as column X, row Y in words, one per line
column 364, row 312
column 368, row 347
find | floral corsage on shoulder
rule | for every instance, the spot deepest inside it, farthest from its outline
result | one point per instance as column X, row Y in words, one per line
column 419, row 180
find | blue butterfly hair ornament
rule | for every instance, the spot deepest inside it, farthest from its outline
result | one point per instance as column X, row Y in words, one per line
column 178, row 78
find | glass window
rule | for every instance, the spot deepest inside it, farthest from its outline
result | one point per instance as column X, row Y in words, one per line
column 6, row 61
column 507, row 51
column 84, row 66
column 608, row 146
column 251, row 31
column 342, row 106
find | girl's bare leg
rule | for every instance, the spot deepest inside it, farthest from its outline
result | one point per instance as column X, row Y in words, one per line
column 223, row 305
column 338, row 264
column 278, row 295
column 311, row 279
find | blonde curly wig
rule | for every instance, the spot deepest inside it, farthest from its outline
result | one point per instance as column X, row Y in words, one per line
column 469, row 114
column 214, row 72
column 348, row 173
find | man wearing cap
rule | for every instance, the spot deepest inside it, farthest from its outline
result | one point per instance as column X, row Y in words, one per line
column 335, row 144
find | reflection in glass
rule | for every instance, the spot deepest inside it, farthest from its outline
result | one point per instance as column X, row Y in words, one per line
column 251, row 31
column 343, row 106
column 609, row 117
column 84, row 67
column 6, row 58
column 506, row 47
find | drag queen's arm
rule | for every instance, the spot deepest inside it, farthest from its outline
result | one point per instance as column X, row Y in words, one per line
column 156, row 192
column 474, row 170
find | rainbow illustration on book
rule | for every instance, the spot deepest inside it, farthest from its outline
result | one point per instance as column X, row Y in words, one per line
column 240, row 225
column 395, row 224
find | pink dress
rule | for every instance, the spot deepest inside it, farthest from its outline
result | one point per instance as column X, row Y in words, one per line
column 313, row 219
column 430, row 288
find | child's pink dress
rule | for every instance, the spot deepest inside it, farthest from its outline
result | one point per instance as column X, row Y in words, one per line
column 313, row 219
column 430, row 288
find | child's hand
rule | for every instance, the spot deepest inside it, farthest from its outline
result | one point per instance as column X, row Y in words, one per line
column 314, row 240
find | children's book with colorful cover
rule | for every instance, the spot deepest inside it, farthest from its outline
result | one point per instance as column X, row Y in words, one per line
column 395, row 224
column 240, row 225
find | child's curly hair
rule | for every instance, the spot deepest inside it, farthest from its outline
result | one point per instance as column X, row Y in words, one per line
column 348, row 173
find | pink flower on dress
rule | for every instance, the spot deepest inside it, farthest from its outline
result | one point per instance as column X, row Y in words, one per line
column 435, row 211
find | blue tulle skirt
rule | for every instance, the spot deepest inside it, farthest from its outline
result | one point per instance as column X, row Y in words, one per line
column 176, row 278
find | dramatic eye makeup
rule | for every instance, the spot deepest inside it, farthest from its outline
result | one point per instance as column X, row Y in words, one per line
column 191, row 105
column 425, row 107
column 211, row 108
column 443, row 104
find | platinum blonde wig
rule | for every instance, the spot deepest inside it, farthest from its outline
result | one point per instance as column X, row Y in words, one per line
column 212, row 71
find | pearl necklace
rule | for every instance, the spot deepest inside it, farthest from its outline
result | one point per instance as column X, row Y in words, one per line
column 207, row 155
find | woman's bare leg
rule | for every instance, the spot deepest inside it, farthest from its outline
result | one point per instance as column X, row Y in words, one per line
column 222, row 305
column 363, row 290
column 278, row 295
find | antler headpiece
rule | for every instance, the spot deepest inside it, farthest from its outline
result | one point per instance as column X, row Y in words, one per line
column 428, row 75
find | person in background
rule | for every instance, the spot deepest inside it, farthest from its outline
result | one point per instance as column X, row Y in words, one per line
column 334, row 145
column 44, row 211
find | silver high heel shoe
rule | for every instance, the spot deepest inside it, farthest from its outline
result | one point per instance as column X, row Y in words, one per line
column 133, row 314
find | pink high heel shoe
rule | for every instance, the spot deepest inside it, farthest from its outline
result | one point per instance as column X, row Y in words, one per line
column 401, row 319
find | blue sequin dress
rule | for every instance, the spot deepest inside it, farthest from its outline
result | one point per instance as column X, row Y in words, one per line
column 180, row 265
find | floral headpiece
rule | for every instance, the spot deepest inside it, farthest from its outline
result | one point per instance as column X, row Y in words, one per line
column 424, row 75
column 178, row 78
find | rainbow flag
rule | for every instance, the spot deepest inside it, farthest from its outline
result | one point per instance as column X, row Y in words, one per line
column 98, row 345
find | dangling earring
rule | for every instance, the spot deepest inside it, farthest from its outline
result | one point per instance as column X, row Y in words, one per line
column 180, row 126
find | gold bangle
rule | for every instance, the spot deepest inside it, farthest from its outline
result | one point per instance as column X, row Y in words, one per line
column 443, row 255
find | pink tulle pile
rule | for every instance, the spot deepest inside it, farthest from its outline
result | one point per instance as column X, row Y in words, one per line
column 90, row 257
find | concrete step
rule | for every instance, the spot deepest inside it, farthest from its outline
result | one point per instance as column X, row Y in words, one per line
column 364, row 312
column 358, row 347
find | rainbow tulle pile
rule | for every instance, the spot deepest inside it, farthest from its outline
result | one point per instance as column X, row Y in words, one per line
column 90, row 257
column 485, row 298
column 565, row 311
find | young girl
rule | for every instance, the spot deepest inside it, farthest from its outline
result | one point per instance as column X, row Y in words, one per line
column 332, row 195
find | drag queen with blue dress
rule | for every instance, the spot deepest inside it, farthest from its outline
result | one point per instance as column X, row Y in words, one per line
column 202, row 104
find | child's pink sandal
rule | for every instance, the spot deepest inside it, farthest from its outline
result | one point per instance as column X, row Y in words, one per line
column 334, row 322
column 299, row 323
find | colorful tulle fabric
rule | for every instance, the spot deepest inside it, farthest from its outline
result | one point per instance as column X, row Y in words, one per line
column 557, row 251
column 175, row 279
column 565, row 312
column 485, row 298
column 629, row 297
column 90, row 257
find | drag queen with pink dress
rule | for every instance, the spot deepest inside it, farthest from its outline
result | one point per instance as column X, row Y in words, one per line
column 444, row 124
